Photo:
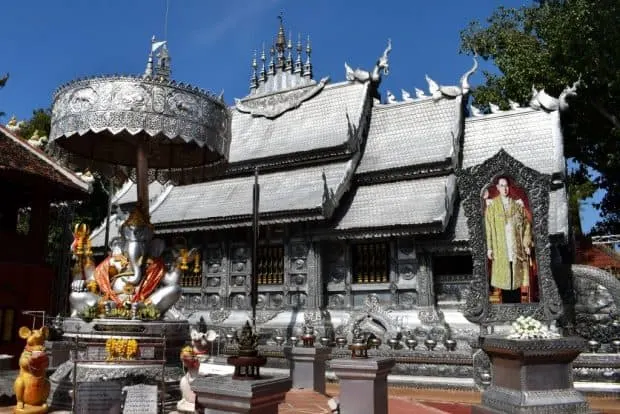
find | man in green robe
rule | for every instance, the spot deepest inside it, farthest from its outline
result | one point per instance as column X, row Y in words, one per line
column 509, row 243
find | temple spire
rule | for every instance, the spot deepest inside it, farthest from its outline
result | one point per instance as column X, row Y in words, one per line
column 271, row 71
column 263, row 73
column 289, row 54
column 298, row 63
column 280, row 44
column 308, row 64
column 254, row 76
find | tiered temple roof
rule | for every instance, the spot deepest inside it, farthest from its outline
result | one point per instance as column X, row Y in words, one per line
column 334, row 155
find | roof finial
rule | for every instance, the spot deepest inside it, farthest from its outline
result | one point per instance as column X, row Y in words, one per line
column 298, row 63
column 308, row 64
column 280, row 45
column 289, row 53
column 163, row 63
column 254, row 77
column 263, row 73
column 271, row 69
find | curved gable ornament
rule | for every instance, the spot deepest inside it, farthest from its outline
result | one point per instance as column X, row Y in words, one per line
column 471, row 183
column 274, row 105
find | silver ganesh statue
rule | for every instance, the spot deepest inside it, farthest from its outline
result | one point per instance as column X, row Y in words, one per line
column 133, row 277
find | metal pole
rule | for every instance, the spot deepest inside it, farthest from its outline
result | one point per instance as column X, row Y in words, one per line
column 107, row 222
column 255, row 232
column 142, row 179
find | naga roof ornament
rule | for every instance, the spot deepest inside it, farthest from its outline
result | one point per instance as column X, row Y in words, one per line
column 543, row 101
column 382, row 65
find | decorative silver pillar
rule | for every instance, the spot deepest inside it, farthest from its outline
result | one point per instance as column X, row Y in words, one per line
column 308, row 367
column 363, row 384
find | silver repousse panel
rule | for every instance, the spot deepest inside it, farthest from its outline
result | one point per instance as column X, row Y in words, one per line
column 282, row 191
column 526, row 134
column 92, row 118
column 423, row 201
column 407, row 134
column 320, row 122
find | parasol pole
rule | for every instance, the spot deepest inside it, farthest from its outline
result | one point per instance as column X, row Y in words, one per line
column 142, row 181
column 255, row 231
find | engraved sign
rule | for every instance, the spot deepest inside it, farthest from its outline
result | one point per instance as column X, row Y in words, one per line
column 140, row 399
column 98, row 398
column 147, row 352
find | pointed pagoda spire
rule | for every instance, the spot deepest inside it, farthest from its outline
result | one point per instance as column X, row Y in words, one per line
column 254, row 76
column 263, row 73
column 148, row 72
column 271, row 70
column 163, row 63
column 298, row 64
column 289, row 54
column 280, row 44
column 308, row 64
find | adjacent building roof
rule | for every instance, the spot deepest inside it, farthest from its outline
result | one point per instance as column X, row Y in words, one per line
column 410, row 134
column 319, row 123
column 128, row 193
column 531, row 136
column 19, row 157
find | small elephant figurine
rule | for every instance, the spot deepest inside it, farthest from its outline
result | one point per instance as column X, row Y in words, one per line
column 31, row 386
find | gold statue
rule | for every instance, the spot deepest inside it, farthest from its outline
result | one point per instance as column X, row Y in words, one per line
column 31, row 386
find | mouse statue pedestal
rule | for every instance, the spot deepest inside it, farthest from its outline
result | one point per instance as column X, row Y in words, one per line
column 31, row 386
column 191, row 363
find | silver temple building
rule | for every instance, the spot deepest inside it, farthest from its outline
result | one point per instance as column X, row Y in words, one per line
column 361, row 222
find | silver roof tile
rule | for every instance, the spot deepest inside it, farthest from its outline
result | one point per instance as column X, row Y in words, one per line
column 320, row 122
column 400, row 203
column 528, row 135
column 406, row 134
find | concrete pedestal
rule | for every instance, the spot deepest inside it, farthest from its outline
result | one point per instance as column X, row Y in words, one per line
column 59, row 352
column 363, row 384
column 224, row 395
column 308, row 367
column 532, row 376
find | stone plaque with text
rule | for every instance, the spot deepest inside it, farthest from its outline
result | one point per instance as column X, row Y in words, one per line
column 98, row 398
column 140, row 399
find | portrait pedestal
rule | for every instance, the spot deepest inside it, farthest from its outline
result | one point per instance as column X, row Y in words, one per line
column 363, row 384
column 308, row 367
column 532, row 376
column 224, row 395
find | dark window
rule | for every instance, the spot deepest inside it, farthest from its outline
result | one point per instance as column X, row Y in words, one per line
column 7, row 322
column 452, row 265
column 371, row 263
column 270, row 266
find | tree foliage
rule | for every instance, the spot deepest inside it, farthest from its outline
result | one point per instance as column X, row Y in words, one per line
column 40, row 121
column 550, row 44
column 3, row 81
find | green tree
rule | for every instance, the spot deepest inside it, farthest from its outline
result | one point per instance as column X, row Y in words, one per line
column 40, row 121
column 91, row 211
column 3, row 80
column 550, row 44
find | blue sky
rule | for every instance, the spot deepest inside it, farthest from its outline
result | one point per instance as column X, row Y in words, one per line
column 47, row 43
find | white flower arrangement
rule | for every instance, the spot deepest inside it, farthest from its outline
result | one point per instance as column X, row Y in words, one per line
column 526, row 327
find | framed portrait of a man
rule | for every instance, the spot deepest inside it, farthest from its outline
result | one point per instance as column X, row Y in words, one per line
column 510, row 252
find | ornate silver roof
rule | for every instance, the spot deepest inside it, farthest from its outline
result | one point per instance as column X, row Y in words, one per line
column 412, row 133
column 426, row 201
column 320, row 123
column 291, row 195
column 533, row 137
